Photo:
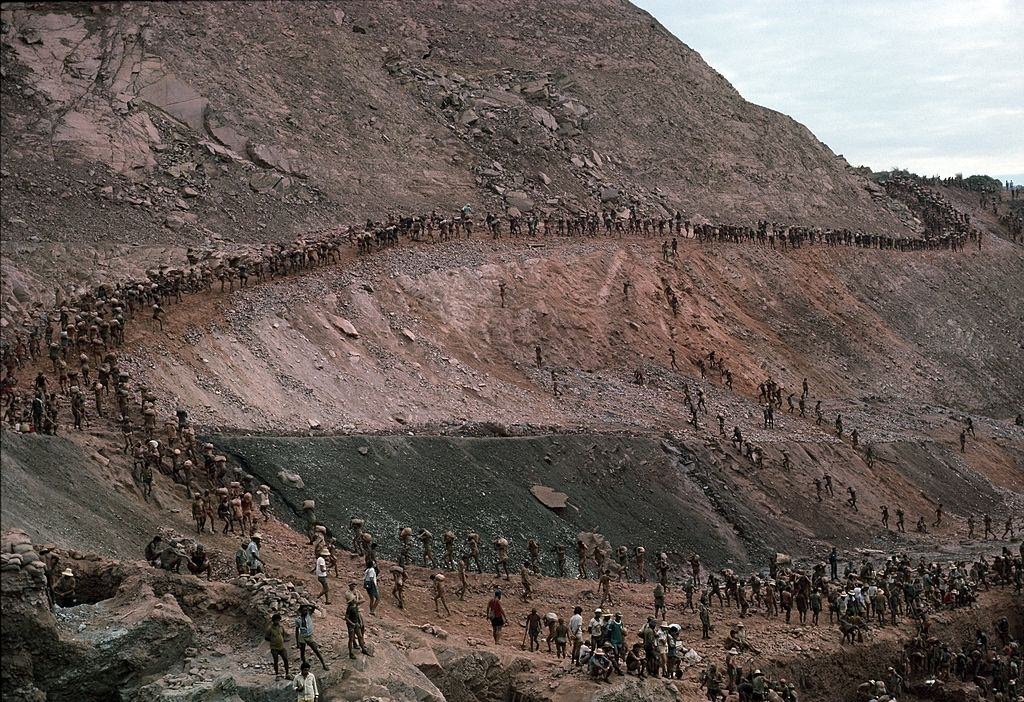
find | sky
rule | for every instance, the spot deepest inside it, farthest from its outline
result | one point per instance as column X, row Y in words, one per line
column 934, row 86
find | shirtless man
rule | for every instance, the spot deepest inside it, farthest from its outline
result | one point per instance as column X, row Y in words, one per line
column 438, row 582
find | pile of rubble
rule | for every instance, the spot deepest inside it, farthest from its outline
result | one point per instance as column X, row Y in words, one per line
column 267, row 596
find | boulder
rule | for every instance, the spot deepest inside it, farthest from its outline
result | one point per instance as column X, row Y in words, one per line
column 519, row 200
column 175, row 97
column 549, row 497
column 424, row 659
column 544, row 117
column 345, row 327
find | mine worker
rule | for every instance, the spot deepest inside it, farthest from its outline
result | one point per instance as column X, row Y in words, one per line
column 242, row 557
column 638, row 563
column 461, row 566
column 304, row 634
column 426, row 544
column 253, row 550
column 496, row 615
column 581, row 559
column 153, row 550
column 524, row 578
column 704, row 612
column 264, row 499
column 320, row 571
column 275, row 636
column 576, row 633
column 438, row 591
column 501, row 556
column 354, row 623
column 448, row 540
column 64, row 589
column 659, row 601
column 370, row 585
column 532, row 625
column 398, row 585
column 533, row 548
column 604, row 583
column 473, row 550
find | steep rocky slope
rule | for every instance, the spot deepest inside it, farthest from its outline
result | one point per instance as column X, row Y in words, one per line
column 130, row 130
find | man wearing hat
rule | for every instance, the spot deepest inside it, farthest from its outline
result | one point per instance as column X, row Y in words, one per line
column 754, row 686
column 64, row 589
column 253, row 551
column 600, row 664
column 354, row 622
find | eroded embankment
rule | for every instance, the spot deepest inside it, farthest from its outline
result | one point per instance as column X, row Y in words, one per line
column 631, row 489
column 634, row 490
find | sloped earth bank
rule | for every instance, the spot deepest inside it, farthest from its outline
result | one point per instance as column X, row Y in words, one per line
column 635, row 490
column 146, row 634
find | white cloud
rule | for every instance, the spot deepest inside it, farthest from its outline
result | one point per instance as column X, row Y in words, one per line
column 930, row 85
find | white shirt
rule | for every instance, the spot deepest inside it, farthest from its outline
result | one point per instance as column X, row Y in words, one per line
column 321, row 567
column 306, row 687
column 370, row 576
column 265, row 499
column 253, row 551
column 596, row 627
column 576, row 625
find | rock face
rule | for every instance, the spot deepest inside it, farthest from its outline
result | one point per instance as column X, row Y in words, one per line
column 475, row 677
column 133, row 636
column 93, row 655
column 156, row 96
